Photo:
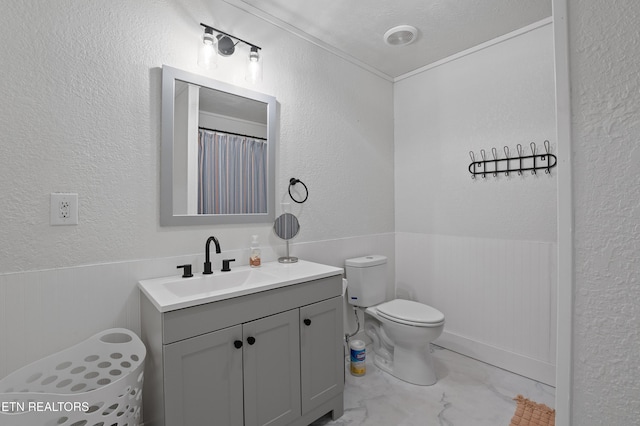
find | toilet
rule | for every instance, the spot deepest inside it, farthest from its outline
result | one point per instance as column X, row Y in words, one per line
column 401, row 330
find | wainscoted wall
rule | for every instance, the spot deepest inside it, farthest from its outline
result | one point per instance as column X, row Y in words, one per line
column 42, row 312
column 498, row 296
column 483, row 250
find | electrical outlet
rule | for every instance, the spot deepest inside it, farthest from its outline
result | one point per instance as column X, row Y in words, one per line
column 64, row 208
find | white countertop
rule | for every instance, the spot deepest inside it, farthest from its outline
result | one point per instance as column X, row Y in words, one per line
column 171, row 293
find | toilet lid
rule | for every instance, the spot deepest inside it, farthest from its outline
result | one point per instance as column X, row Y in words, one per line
column 407, row 310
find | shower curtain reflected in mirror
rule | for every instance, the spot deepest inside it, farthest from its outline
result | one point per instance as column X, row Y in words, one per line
column 232, row 173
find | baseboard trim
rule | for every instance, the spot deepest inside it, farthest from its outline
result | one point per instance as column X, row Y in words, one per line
column 532, row 368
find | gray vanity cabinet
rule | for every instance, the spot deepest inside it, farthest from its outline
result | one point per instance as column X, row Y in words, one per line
column 272, row 370
column 203, row 375
column 322, row 364
column 269, row 358
column 209, row 380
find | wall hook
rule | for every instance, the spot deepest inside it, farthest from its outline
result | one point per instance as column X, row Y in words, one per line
column 546, row 148
column 506, row 155
column 494, row 152
column 520, row 154
column 473, row 162
column 533, row 154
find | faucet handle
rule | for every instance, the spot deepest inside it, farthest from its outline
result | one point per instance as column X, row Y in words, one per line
column 187, row 270
column 225, row 265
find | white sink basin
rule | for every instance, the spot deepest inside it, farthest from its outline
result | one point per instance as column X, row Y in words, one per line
column 204, row 284
column 171, row 293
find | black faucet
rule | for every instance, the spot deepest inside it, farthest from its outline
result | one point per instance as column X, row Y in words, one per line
column 207, row 260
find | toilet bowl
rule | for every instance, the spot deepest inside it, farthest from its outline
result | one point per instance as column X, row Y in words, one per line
column 401, row 330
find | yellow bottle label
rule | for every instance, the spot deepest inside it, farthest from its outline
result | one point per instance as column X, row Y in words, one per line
column 358, row 368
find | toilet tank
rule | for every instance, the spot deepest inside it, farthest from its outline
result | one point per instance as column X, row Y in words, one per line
column 366, row 280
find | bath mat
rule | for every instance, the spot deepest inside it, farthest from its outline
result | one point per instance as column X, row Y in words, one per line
column 530, row 413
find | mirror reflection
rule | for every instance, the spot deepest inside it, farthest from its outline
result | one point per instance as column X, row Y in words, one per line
column 228, row 164
column 218, row 141
column 286, row 226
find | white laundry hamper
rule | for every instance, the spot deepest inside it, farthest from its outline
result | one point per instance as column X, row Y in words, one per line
column 97, row 382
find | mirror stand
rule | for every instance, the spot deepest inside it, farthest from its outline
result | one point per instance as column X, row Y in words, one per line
column 287, row 258
column 286, row 227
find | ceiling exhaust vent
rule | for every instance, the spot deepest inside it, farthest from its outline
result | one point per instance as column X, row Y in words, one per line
column 401, row 35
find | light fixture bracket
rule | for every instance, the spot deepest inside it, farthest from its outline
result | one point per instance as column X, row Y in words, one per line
column 225, row 39
column 226, row 46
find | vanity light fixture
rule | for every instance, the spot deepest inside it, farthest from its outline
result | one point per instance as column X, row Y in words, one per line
column 224, row 44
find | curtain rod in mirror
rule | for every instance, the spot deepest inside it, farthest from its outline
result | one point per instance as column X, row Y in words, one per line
column 233, row 133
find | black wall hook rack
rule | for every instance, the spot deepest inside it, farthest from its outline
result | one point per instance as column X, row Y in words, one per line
column 518, row 164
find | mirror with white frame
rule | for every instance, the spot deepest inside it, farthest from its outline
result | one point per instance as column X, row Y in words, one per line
column 218, row 152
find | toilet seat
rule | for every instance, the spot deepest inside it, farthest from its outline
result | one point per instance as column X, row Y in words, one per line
column 411, row 313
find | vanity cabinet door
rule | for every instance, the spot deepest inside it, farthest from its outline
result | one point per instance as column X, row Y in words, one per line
column 321, row 352
column 203, row 380
column 272, row 369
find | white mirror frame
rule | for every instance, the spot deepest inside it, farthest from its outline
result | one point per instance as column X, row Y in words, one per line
column 167, row 216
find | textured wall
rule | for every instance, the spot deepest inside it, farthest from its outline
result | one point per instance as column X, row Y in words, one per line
column 80, row 112
column 604, row 62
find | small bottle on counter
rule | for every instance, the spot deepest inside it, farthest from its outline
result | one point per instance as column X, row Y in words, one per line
column 254, row 257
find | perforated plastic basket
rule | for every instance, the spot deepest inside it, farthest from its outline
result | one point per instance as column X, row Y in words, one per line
column 97, row 382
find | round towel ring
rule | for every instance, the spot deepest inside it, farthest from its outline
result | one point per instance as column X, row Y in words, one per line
column 292, row 182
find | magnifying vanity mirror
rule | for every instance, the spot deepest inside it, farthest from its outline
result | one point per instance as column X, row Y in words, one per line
column 286, row 227
column 218, row 152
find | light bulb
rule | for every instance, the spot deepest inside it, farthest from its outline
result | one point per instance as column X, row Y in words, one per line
column 254, row 66
column 208, row 50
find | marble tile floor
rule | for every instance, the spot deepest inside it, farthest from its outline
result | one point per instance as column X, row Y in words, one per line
column 468, row 393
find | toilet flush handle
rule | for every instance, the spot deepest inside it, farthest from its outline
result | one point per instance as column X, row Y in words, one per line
column 307, row 321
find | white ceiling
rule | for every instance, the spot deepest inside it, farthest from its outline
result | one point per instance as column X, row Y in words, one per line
column 354, row 29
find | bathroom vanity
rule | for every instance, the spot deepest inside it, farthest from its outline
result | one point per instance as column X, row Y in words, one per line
column 248, row 347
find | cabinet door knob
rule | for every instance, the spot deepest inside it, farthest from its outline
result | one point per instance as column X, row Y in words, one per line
column 237, row 344
column 251, row 340
column 307, row 321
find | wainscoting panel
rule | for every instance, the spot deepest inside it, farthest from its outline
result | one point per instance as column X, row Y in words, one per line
column 498, row 297
column 43, row 312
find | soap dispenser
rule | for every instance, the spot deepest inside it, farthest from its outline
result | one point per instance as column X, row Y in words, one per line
column 254, row 257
